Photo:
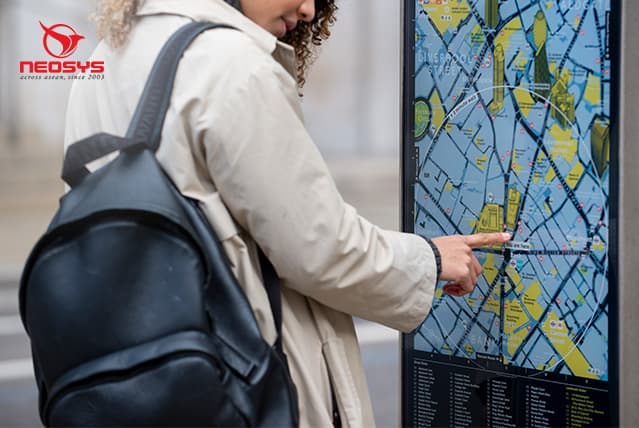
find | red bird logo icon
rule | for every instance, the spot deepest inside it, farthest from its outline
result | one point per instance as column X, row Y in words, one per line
column 68, row 39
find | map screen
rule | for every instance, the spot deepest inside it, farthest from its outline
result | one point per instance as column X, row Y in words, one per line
column 511, row 131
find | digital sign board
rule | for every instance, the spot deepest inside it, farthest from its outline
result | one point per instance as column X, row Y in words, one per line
column 509, row 125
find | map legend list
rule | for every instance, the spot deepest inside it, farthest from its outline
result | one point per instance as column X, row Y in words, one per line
column 450, row 393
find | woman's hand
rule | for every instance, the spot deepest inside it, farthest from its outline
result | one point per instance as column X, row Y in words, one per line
column 459, row 265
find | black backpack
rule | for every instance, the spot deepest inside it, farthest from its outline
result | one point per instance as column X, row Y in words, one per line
column 134, row 315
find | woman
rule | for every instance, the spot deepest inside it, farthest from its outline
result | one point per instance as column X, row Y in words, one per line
column 234, row 140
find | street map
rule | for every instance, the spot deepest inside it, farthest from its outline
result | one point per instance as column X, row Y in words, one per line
column 512, row 121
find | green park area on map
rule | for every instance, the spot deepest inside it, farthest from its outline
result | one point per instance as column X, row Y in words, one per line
column 512, row 117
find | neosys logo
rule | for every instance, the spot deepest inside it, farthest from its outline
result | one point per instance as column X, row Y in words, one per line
column 62, row 35
column 61, row 41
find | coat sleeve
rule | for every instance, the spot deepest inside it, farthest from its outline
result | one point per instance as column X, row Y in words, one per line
column 277, row 187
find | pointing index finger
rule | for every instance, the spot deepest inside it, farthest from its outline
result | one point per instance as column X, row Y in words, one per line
column 486, row 239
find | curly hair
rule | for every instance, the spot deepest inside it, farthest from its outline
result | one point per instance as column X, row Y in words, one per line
column 308, row 36
column 115, row 18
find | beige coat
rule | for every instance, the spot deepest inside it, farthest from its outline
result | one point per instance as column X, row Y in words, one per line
column 234, row 139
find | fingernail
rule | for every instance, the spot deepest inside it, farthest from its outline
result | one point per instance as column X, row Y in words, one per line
column 506, row 235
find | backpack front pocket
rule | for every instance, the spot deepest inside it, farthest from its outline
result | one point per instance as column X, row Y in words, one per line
column 177, row 380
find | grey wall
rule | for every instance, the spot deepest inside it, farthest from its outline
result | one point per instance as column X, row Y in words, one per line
column 352, row 99
column 628, row 216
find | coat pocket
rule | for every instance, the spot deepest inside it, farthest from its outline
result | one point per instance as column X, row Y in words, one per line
column 348, row 402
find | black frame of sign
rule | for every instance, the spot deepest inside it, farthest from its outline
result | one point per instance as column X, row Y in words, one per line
column 409, row 160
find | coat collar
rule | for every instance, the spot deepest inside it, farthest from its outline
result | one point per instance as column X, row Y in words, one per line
column 220, row 11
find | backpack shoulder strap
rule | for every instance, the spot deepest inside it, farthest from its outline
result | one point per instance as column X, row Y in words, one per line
column 148, row 119
column 145, row 128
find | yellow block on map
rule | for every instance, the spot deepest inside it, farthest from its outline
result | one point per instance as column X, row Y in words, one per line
column 437, row 110
column 530, row 300
column 524, row 99
column 489, row 268
column 597, row 245
column 481, row 161
column 447, row 16
column 514, row 316
column 514, row 199
column 514, row 277
column 492, row 305
column 538, row 172
column 503, row 38
column 469, row 349
column 593, row 90
column 516, row 166
column 557, row 333
column 565, row 146
column 521, row 60
column 491, row 219
column 575, row 174
column 550, row 175
column 551, row 363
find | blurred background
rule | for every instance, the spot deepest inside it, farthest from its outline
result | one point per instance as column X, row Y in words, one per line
column 351, row 104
